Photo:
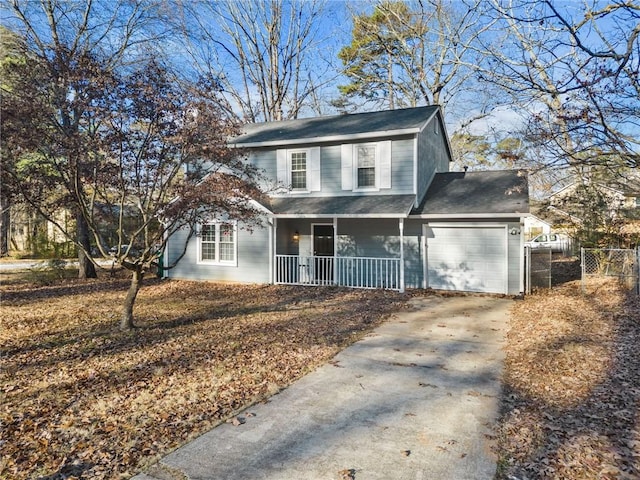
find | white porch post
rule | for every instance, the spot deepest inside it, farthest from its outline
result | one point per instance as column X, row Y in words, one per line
column 401, row 227
column 335, row 250
column 273, row 264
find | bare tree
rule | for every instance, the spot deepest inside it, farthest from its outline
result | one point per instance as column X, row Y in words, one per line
column 62, row 34
column 575, row 69
column 262, row 53
column 418, row 53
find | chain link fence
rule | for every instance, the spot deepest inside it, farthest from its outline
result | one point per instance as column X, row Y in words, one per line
column 600, row 263
column 537, row 268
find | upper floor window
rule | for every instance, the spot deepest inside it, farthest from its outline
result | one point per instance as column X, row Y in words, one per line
column 366, row 169
column 366, row 166
column 299, row 169
column 298, row 162
column 217, row 243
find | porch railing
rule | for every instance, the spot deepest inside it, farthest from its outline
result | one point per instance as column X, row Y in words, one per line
column 355, row 272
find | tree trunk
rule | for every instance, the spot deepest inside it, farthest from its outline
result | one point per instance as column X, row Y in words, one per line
column 5, row 221
column 86, row 268
column 127, row 315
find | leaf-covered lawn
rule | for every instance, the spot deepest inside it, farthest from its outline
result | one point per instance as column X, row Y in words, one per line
column 572, row 386
column 81, row 399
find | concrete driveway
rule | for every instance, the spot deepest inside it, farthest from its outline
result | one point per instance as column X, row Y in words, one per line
column 415, row 400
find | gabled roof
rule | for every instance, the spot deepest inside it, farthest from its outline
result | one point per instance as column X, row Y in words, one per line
column 362, row 206
column 336, row 128
column 456, row 194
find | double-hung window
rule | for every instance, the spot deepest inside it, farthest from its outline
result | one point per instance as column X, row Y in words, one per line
column 217, row 244
column 366, row 166
column 298, row 162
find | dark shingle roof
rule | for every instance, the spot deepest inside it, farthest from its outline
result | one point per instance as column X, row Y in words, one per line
column 459, row 193
column 375, row 206
column 364, row 125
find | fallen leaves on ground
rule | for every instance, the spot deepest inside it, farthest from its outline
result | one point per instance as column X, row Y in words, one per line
column 81, row 399
column 571, row 403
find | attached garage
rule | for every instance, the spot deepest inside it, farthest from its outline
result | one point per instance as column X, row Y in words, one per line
column 464, row 257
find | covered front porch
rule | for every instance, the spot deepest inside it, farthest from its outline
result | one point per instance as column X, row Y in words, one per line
column 348, row 252
column 350, row 241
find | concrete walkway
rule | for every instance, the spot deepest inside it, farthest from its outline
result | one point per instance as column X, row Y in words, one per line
column 413, row 400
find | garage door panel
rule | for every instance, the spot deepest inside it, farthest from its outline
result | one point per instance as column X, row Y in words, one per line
column 467, row 259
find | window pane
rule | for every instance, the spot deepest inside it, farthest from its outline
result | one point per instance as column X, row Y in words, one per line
column 298, row 179
column 366, row 177
column 226, row 252
column 367, row 156
column 208, row 233
column 208, row 251
column 227, row 243
column 226, row 232
column 299, row 161
column 299, row 170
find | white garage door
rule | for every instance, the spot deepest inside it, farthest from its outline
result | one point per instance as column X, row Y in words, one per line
column 470, row 259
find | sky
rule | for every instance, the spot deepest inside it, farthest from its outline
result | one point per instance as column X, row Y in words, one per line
column 333, row 31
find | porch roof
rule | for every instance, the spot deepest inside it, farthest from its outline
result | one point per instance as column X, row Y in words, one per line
column 362, row 206
column 495, row 193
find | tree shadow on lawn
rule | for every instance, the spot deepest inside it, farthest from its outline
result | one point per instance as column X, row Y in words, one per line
column 188, row 350
column 605, row 420
column 233, row 323
column 73, row 287
column 109, row 341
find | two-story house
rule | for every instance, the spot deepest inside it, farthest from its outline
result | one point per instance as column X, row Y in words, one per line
column 368, row 202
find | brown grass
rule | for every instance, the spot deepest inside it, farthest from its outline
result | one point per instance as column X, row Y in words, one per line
column 82, row 400
column 571, row 407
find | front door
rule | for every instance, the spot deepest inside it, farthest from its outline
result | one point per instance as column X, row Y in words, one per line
column 323, row 248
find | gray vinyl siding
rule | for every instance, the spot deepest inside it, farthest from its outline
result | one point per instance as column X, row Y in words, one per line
column 413, row 254
column 379, row 238
column 252, row 259
column 265, row 160
column 402, row 152
column 432, row 155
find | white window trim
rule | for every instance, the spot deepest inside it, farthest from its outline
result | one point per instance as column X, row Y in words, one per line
column 376, row 187
column 217, row 261
column 307, row 152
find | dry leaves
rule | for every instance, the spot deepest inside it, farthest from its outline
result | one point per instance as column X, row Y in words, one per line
column 571, row 407
column 81, row 399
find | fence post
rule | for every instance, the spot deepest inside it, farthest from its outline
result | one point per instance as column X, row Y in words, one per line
column 582, row 268
column 638, row 270
column 527, row 266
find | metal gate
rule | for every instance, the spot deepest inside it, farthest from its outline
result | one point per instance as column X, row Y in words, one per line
column 537, row 267
column 610, row 263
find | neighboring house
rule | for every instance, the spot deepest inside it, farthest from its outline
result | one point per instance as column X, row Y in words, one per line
column 613, row 200
column 534, row 226
column 369, row 203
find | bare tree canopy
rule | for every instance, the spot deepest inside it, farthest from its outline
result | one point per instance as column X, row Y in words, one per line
column 574, row 68
column 263, row 54
column 61, row 36
column 407, row 53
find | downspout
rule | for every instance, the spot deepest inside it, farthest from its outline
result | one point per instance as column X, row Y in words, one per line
column 401, row 227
